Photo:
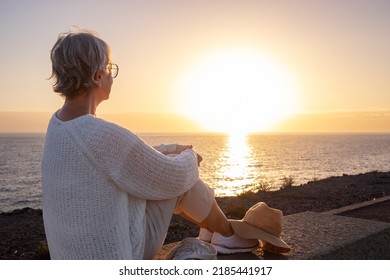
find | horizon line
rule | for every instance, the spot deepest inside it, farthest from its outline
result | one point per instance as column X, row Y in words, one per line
column 301, row 123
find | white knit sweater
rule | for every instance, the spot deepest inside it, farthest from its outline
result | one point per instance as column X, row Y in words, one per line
column 96, row 178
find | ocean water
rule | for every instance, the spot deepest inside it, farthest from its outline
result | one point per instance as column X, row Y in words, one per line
column 231, row 164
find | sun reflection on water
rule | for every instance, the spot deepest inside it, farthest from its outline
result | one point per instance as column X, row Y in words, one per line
column 236, row 164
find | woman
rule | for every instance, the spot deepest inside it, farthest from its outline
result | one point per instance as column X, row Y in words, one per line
column 107, row 194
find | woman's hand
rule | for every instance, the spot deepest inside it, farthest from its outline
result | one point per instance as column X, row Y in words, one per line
column 180, row 148
column 199, row 158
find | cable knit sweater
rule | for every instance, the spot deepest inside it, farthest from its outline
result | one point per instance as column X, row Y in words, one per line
column 96, row 178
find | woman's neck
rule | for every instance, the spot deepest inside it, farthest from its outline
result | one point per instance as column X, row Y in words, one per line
column 78, row 106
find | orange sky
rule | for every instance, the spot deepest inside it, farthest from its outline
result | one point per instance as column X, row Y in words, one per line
column 333, row 55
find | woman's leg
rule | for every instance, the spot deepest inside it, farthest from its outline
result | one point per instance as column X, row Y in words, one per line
column 215, row 221
column 199, row 206
column 158, row 218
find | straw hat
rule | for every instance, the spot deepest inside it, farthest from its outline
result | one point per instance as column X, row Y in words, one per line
column 264, row 223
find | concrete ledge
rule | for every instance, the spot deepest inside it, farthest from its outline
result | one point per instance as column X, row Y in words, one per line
column 323, row 236
column 328, row 235
column 357, row 206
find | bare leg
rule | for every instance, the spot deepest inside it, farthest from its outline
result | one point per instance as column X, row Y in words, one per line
column 199, row 206
column 222, row 234
column 215, row 221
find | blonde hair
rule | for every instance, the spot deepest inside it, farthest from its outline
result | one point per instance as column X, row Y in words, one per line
column 75, row 57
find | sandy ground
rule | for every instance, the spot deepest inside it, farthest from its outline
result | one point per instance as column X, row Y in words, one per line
column 22, row 232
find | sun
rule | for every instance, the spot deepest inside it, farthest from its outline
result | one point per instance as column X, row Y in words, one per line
column 236, row 91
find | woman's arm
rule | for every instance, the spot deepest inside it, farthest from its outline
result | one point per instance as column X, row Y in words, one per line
column 135, row 166
column 149, row 174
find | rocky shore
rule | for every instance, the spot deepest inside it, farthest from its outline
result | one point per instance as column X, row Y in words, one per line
column 22, row 232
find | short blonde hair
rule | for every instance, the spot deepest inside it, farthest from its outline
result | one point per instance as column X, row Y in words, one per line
column 75, row 57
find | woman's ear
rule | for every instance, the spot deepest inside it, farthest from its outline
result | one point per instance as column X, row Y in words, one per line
column 98, row 77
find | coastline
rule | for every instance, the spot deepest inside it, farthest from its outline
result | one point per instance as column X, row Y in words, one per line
column 23, row 234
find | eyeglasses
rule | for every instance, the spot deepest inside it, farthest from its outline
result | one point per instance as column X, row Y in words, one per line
column 113, row 69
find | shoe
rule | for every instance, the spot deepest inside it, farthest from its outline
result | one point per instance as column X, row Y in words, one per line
column 193, row 249
column 233, row 244
column 205, row 235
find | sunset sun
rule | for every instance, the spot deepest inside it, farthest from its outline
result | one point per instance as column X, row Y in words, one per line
column 236, row 91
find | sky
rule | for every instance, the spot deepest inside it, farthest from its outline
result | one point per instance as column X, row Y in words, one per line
column 211, row 60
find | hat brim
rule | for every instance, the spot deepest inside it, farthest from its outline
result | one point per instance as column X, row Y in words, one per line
column 247, row 231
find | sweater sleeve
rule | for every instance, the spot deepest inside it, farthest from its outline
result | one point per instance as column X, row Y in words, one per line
column 148, row 174
column 138, row 168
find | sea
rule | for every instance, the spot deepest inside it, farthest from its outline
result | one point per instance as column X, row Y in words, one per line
column 231, row 164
